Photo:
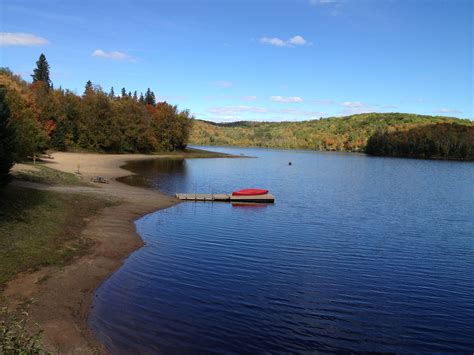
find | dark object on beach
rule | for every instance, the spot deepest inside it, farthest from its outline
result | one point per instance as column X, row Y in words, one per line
column 249, row 192
column 100, row 180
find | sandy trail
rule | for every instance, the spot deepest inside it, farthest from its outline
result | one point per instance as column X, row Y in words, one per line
column 64, row 295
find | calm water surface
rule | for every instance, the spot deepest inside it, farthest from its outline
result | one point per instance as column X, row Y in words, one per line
column 358, row 254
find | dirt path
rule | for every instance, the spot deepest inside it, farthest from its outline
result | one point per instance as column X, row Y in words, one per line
column 64, row 295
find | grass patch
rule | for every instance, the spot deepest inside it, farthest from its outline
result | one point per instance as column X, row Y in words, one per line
column 15, row 336
column 47, row 175
column 42, row 228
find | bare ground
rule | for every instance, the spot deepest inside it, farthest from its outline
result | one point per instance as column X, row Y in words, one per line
column 64, row 295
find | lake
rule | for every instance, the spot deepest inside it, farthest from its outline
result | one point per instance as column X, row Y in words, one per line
column 357, row 254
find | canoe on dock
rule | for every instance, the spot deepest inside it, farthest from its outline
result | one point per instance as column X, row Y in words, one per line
column 250, row 192
column 266, row 198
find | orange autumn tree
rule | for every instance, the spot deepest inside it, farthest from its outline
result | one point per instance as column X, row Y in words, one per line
column 32, row 136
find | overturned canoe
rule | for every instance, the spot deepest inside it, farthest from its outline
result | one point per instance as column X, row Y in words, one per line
column 249, row 192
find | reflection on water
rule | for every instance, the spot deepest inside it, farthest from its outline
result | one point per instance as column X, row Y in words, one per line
column 358, row 254
column 155, row 173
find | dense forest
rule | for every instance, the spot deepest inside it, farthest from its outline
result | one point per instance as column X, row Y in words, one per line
column 44, row 117
column 436, row 141
column 349, row 134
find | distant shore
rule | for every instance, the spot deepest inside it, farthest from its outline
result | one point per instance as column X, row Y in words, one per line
column 64, row 295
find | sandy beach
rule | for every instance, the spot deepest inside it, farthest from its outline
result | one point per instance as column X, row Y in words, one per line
column 64, row 295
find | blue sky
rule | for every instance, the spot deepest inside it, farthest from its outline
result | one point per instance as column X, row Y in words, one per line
column 255, row 60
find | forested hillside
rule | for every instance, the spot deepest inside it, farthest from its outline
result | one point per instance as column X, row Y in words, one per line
column 437, row 141
column 45, row 117
column 349, row 133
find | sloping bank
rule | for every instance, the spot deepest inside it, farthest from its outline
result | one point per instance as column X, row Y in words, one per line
column 64, row 295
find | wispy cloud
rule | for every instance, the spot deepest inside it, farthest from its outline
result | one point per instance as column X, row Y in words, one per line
column 278, row 42
column 355, row 107
column 353, row 104
column 448, row 111
column 289, row 99
column 21, row 39
column 223, row 84
column 114, row 55
column 249, row 98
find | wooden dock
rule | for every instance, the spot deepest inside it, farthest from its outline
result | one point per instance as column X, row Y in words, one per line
column 226, row 198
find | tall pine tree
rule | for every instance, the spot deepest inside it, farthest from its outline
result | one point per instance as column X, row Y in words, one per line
column 41, row 73
column 7, row 140
column 89, row 88
column 150, row 97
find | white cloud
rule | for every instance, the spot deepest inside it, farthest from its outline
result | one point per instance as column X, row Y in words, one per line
column 249, row 98
column 21, row 39
column 449, row 111
column 353, row 104
column 297, row 40
column 289, row 99
column 278, row 42
column 223, row 84
column 115, row 55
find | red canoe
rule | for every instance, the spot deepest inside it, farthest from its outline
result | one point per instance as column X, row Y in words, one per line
column 250, row 192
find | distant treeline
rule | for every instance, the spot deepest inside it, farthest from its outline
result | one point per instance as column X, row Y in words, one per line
column 435, row 141
column 349, row 134
column 45, row 117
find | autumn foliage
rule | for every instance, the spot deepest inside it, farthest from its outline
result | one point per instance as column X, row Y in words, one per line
column 434, row 141
column 94, row 121
column 344, row 134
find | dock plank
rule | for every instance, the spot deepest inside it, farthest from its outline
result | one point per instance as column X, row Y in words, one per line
column 226, row 198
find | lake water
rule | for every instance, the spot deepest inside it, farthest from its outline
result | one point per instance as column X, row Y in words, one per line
column 358, row 254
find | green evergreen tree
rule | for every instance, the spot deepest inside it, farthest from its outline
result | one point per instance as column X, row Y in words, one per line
column 7, row 141
column 135, row 97
column 141, row 99
column 124, row 93
column 41, row 73
column 112, row 93
column 89, row 88
column 150, row 97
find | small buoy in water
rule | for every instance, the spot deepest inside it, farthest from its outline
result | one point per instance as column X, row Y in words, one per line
column 289, row 163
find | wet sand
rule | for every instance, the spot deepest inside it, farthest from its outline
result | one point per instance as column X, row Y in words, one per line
column 64, row 295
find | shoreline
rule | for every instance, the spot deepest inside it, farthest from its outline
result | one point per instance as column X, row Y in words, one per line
column 64, row 295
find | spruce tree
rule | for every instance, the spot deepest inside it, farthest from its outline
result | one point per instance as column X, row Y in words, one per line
column 41, row 73
column 141, row 99
column 150, row 97
column 135, row 96
column 112, row 93
column 89, row 87
column 124, row 93
column 7, row 141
